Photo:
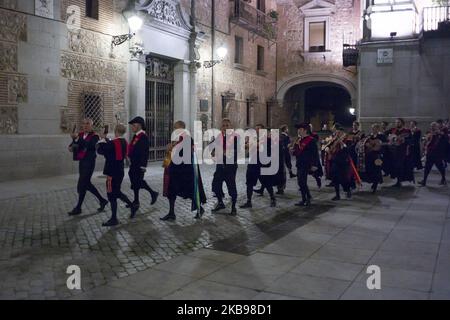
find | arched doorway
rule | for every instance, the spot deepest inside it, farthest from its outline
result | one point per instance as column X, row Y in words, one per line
column 319, row 103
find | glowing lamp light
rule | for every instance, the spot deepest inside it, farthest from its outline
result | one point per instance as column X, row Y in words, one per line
column 352, row 111
column 222, row 52
column 135, row 23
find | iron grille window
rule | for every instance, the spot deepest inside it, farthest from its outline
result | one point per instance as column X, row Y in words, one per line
column 260, row 60
column 93, row 108
column 239, row 50
column 92, row 8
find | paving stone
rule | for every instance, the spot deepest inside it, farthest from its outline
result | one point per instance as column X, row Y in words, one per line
column 38, row 240
column 308, row 287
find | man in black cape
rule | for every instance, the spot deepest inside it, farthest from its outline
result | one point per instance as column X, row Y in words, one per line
column 182, row 178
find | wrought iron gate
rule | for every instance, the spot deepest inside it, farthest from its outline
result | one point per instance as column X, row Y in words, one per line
column 159, row 104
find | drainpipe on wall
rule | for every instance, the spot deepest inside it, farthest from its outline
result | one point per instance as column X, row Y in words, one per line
column 213, row 42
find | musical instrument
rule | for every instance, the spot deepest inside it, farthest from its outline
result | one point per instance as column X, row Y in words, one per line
column 397, row 139
column 373, row 144
column 333, row 145
column 326, row 142
column 168, row 156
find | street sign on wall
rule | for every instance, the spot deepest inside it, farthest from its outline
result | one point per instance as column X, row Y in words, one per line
column 385, row 56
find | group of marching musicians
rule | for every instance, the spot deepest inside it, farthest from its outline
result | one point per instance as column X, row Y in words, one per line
column 345, row 158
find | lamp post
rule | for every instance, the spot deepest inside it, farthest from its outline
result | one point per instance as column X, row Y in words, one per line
column 221, row 54
column 135, row 24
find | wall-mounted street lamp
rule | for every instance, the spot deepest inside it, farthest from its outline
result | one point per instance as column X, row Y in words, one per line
column 352, row 111
column 221, row 53
column 135, row 23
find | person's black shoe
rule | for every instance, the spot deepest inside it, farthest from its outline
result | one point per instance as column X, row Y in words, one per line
column 280, row 192
column 75, row 212
column 331, row 184
column 111, row 223
column 219, row 206
column 200, row 214
column 422, row 183
column 170, row 216
column 134, row 208
column 397, row 184
column 349, row 194
column 154, row 197
column 246, row 205
column 259, row 191
column 319, row 182
column 292, row 175
column 102, row 206
column 374, row 188
column 273, row 202
column 336, row 198
column 233, row 211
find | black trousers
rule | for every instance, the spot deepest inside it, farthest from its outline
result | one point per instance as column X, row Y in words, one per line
column 429, row 163
column 136, row 175
column 113, row 189
column 288, row 161
column 302, row 180
column 86, row 170
column 136, row 178
column 227, row 174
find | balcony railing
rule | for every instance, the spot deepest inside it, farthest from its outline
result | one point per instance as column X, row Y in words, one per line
column 253, row 19
column 432, row 16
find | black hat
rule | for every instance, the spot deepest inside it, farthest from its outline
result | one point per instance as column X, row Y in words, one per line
column 303, row 125
column 139, row 120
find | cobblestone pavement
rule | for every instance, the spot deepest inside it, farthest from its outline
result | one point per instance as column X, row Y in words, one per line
column 38, row 240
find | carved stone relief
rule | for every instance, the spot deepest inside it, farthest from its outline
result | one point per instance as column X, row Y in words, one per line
column 94, row 44
column 8, row 57
column 8, row 120
column 159, row 69
column 93, row 70
column 13, row 26
column 17, row 89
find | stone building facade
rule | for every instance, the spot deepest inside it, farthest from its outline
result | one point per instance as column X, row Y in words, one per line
column 306, row 60
column 288, row 61
column 58, row 65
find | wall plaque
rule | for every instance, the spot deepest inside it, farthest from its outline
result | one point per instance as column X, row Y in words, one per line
column 385, row 56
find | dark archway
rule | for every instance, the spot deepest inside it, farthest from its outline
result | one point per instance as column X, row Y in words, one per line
column 319, row 103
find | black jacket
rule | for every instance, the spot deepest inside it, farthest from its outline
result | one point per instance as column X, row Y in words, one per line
column 85, row 150
column 139, row 151
column 114, row 164
column 307, row 155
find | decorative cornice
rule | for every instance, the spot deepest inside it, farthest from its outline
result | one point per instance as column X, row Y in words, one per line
column 168, row 12
column 318, row 8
